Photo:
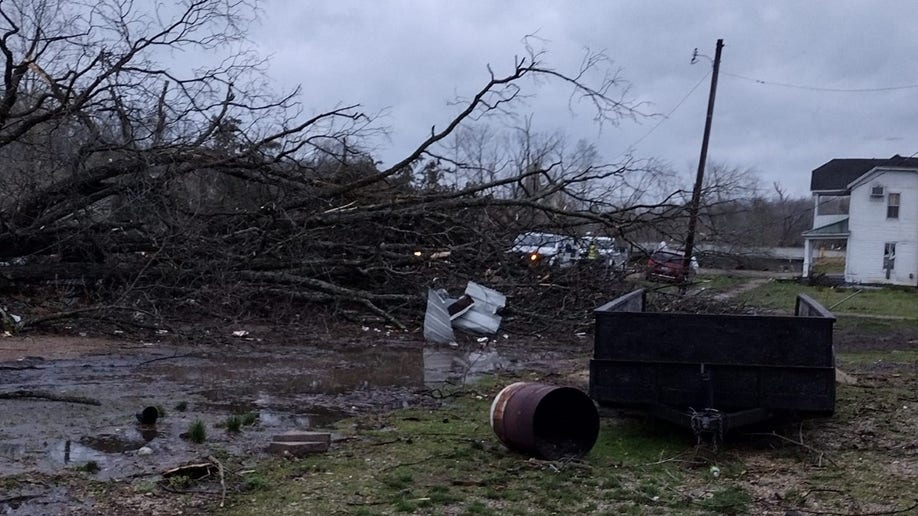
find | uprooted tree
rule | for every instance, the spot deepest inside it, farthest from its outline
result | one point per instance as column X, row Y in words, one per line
column 138, row 186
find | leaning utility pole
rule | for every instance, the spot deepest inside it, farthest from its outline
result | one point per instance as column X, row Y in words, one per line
column 699, row 178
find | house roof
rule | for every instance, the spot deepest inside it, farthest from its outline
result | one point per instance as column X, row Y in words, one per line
column 837, row 174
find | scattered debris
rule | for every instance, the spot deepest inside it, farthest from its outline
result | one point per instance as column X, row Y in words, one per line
column 222, row 479
column 240, row 333
column 476, row 311
column 192, row 471
column 9, row 322
column 298, row 444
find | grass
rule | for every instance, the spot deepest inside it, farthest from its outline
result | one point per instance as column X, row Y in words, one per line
column 197, row 432
column 449, row 461
column 729, row 500
column 235, row 422
column 719, row 282
column 780, row 295
column 181, row 406
column 249, row 418
column 895, row 357
column 874, row 327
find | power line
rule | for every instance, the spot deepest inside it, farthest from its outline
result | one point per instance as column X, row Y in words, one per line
column 816, row 88
column 671, row 111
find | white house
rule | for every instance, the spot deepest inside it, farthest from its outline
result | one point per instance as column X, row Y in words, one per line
column 871, row 205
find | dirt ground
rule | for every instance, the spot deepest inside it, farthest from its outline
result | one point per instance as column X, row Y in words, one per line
column 312, row 377
column 292, row 378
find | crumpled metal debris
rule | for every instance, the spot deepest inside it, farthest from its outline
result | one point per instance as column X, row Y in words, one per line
column 8, row 321
column 476, row 311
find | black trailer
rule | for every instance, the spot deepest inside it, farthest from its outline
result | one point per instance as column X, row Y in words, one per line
column 713, row 372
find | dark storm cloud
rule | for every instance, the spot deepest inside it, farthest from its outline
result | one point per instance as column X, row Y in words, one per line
column 413, row 57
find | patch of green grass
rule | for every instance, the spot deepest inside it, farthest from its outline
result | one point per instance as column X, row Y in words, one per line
column 634, row 441
column 397, row 482
column 729, row 500
column 249, row 418
column 197, row 432
column 448, row 460
column 441, row 495
column 181, row 406
column 889, row 357
column 254, row 482
column 868, row 327
column 782, row 295
column 476, row 507
column 179, row 482
column 403, row 505
column 160, row 411
column 233, row 424
column 147, row 486
column 717, row 283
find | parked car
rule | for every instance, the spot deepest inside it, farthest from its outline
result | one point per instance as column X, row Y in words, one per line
column 545, row 248
column 669, row 265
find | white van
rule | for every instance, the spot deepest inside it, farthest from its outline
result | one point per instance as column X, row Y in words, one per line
column 545, row 247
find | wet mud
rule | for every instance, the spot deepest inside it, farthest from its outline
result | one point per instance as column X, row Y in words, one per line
column 288, row 387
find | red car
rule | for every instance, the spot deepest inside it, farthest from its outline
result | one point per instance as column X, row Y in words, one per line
column 666, row 265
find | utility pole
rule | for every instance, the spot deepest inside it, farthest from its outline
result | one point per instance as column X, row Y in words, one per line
column 699, row 178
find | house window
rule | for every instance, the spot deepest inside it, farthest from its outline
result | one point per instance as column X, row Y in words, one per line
column 889, row 257
column 892, row 206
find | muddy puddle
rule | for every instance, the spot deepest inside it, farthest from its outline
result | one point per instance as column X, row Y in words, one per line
column 284, row 389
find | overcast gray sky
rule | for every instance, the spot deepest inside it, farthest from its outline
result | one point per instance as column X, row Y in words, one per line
column 412, row 57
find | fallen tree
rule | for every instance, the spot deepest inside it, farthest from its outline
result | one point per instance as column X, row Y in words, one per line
column 132, row 185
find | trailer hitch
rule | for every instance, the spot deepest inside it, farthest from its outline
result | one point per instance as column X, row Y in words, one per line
column 708, row 423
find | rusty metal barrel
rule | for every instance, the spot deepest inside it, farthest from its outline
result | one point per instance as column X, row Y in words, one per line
column 545, row 421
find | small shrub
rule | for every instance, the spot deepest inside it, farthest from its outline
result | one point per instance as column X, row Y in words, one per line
column 181, row 406
column 249, row 418
column 197, row 432
column 476, row 507
column 233, row 423
column 405, row 506
column 160, row 411
column 254, row 483
column 179, row 482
